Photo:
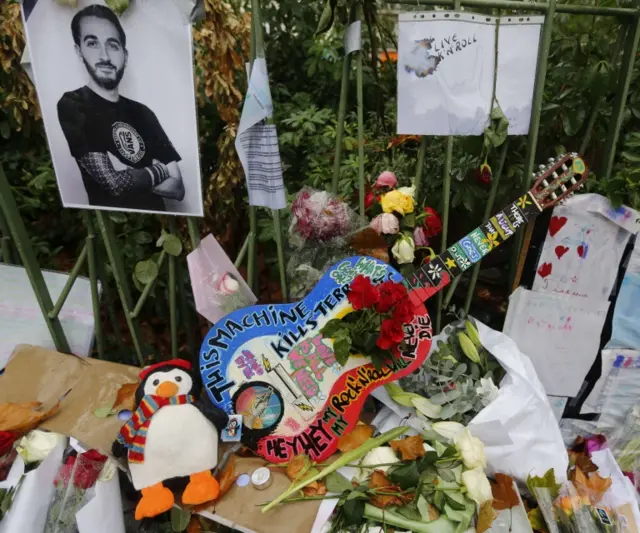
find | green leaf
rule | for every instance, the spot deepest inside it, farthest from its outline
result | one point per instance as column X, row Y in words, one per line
column 406, row 476
column 118, row 218
column 459, row 370
column 170, row 244
column 326, row 20
column 179, row 519
column 353, row 510
column 331, row 328
column 103, row 412
column 456, row 500
column 142, row 237
column 146, row 271
column 411, row 512
column 446, row 475
column 336, row 482
column 342, row 348
column 548, row 481
column 445, row 397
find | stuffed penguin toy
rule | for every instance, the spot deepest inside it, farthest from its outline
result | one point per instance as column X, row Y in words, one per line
column 171, row 434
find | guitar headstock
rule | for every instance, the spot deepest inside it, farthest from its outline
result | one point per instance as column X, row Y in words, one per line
column 558, row 179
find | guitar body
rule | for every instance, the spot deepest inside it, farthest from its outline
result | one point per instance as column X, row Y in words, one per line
column 270, row 364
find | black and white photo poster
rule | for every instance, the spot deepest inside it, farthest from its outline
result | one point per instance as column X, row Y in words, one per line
column 118, row 103
column 447, row 66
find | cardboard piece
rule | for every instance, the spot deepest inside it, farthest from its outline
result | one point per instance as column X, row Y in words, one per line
column 34, row 373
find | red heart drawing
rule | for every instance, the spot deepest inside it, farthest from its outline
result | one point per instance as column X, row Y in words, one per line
column 561, row 250
column 555, row 225
column 582, row 251
column 545, row 269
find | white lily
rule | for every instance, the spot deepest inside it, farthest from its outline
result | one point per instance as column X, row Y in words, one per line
column 425, row 407
column 448, row 430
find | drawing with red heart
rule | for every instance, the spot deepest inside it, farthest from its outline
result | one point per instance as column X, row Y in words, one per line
column 582, row 250
column 545, row 269
column 556, row 224
column 560, row 251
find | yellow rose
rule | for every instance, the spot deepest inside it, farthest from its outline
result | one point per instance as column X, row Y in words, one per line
column 397, row 201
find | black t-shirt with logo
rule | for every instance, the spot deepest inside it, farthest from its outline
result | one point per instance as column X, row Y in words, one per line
column 128, row 130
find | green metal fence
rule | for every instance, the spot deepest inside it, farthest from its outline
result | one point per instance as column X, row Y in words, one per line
column 101, row 238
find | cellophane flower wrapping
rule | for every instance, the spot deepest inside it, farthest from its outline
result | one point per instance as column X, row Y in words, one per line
column 320, row 222
column 74, row 487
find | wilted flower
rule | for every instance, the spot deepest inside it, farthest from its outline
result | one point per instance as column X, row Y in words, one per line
column 477, row 484
column 404, row 250
column 387, row 179
column 471, row 449
column 319, row 216
column 386, row 223
column 420, row 236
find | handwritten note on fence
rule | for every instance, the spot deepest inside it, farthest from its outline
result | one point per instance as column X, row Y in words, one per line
column 560, row 333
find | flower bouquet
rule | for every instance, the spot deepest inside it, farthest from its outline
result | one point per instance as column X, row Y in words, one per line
column 8, row 452
column 394, row 216
column 319, row 225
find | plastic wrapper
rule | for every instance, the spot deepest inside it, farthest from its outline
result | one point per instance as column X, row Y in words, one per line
column 319, row 226
column 575, row 510
column 624, row 442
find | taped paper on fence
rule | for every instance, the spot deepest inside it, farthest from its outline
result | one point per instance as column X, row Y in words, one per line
column 582, row 250
column 257, row 143
column 519, row 429
column 352, row 37
column 559, row 333
column 21, row 319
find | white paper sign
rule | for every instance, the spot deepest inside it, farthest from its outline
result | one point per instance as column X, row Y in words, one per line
column 257, row 143
column 610, row 359
column 581, row 254
column 559, row 333
column 21, row 320
column 518, row 41
column 446, row 65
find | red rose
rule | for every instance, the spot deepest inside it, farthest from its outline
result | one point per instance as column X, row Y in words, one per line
column 7, row 438
column 484, row 174
column 390, row 294
column 87, row 469
column 362, row 293
column 432, row 222
column 404, row 312
column 369, row 199
column 391, row 334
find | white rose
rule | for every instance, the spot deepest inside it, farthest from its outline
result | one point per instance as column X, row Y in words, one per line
column 487, row 391
column 448, row 430
column 409, row 191
column 36, row 445
column 478, row 487
column 380, row 455
column 403, row 250
column 471, row 449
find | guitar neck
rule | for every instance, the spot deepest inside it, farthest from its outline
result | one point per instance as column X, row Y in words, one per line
column 439, row 272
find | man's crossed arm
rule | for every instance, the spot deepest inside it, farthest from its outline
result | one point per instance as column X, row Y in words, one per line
column 163, row 180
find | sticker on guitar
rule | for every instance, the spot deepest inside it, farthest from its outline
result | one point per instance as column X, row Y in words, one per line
column 271, row 365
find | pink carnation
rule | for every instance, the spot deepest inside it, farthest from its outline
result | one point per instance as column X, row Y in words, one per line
column 319, row 216
column 387, row 179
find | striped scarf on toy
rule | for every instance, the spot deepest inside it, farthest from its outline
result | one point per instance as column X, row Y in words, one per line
column 134, row 433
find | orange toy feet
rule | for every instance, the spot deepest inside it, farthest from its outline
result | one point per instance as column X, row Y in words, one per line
column 203, row 487
column 155, row 500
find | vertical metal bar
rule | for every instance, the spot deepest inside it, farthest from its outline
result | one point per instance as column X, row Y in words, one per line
column 487, row 213
column 21, row 239
column 242, row 253
column 359, row 89
column 117, row 266
column 194, row 231
column 446, row 193
column 5, row 240
column 342, row 111
column 185, row 315
column 534, row 125
column 108, row 296
column 93, row 282
column 277, row 226
column 617, row 113
column 73, row 275
column 173, row 310
column 417, row 182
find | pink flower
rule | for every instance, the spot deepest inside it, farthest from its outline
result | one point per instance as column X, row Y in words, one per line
column 420, row 236
column 319, row 216
column 385, row 223
column 387, row 179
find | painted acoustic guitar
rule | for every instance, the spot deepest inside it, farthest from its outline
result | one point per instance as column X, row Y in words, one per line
column 270, row 364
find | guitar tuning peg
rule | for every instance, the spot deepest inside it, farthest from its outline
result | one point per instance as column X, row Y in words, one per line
column 545, row 183
column 552, row 160
column 542, row 167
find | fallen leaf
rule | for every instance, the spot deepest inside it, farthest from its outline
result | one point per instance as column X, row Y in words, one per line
column 125, row 398
column 410, row 448
column 537, row 520
column 593, row 486
column 582, row 461
column 228, row 476
column 486, row 516
column 317, row 488
column 351, row 441
column 504, row 495
column 23, row 417
column 380, row 481
column 297, row 466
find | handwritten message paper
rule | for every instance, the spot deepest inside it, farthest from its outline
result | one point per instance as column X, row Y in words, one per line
column 581, row 254
column 560, row 333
